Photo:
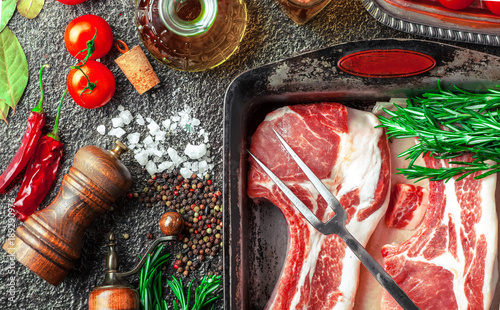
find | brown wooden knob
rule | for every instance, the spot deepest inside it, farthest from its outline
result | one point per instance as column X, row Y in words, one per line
column 50, row 240
column 171, row 223
column 115, row 298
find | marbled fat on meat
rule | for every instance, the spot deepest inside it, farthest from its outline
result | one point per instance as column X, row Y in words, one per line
column 450, row 262
column 351, row 157
column 407, row 206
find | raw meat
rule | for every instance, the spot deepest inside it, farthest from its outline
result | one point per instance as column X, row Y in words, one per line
column 407, row 206
column 450, row 262
column 352, row 158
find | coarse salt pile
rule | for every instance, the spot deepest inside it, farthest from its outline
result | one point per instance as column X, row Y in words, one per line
column 150, row 150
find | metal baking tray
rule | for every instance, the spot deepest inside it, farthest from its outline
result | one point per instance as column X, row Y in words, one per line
column 475, row 24
column 256, row 234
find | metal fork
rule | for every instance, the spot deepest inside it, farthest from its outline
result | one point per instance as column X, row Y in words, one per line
column 336, row 225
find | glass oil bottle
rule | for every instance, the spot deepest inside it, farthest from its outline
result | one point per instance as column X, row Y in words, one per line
column 191, row 35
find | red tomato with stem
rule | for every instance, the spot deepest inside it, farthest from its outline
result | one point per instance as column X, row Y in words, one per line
column 81, row 30
column 99, row 75
column 72, row 2
column 456, row 4
column 493, row 6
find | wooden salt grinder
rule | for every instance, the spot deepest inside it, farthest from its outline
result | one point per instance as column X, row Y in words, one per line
column 50, row 240
column 116, row 294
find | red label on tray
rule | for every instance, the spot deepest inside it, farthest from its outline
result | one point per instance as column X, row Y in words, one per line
column 390, row 63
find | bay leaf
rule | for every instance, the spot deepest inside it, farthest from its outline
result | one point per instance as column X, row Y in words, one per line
column 13, row 72
column 7, row 9
column 30, row 8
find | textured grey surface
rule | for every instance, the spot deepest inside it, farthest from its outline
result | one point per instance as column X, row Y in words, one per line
column 270, row 36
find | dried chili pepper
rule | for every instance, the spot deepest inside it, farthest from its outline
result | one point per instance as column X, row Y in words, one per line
column 36, row 121
column 40, row 173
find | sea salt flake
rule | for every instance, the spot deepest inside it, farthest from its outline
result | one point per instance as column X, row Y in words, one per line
column 194, row 166
column 140, row 120
column 126, row 117
column 172, row 153
column 153, row 127
column 133, row 138
column 151, row 168
column 148, row 140
column 173, row 126
column 120, row 108
column 117, row 132
column 165, row 165
column 187, row 165
column 142, row 158
column 186, row 173
column 101, row 129
column 195, row 151
column 160, row 135
column 195, row 122
column 176, row 118
column 166, row 124
column 157, row 152
column 202, row 166
column 117, row 122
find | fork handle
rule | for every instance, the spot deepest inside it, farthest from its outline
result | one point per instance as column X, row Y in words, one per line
column 377, row 271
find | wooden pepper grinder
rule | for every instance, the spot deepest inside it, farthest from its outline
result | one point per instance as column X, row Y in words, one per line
column 116, row 294
column 50, row 240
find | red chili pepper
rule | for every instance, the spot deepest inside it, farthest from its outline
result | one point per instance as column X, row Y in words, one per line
column 40, row 173
column 36, row 121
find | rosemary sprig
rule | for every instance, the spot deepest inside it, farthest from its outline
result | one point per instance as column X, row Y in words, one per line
column 448, row 124
column 202, row 295
column 150, row 287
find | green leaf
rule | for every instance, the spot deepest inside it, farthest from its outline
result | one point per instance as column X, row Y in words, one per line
column 30, row 8
column 13, row 72
column 6, row 11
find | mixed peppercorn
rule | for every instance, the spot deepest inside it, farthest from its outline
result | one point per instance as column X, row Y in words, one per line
column 200, row 204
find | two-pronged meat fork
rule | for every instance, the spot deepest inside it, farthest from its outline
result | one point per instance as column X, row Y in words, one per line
column 336, row 225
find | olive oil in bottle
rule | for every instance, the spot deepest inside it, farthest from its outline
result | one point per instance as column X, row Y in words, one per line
column 191, row 35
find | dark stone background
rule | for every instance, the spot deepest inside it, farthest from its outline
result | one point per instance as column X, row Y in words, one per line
column 270, row 36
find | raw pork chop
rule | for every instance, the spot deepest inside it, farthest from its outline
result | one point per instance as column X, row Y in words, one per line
column 351, row 157
column 407, row 206
column 450, row 262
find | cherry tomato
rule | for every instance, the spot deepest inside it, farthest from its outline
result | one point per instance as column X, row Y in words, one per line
column 493, row 6
column 82, row 29
column 456, row 4
column 72, row 2
column 98, row 74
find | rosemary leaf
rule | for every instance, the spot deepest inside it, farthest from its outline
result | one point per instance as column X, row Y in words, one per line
column 446, row 125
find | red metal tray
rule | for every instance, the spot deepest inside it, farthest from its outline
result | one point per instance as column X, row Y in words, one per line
column 256, row 234
column 475, row 24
